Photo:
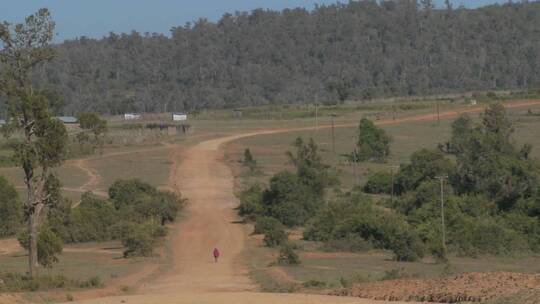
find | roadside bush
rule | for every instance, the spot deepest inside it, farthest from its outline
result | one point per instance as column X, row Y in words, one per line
column 265, row 224
column 141, row 239
column 16, row 282
column 355, row 215
column 314, row 284
column 378, row 183
column 275, row 236
column 289, row 200
column 11, row 211
column 92, row 220
column 251, row 203
column 287, row 256
column 162, row 206
column 125, row 192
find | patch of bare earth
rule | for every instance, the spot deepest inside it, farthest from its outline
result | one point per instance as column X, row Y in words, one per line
column 469, row 287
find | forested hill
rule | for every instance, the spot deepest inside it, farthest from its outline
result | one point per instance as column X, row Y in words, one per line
column 348, row 51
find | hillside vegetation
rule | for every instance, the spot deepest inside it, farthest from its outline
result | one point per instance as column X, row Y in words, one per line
column 359, row 50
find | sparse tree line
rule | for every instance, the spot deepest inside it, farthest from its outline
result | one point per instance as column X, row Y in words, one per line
column 491, row 196
column 359, row 50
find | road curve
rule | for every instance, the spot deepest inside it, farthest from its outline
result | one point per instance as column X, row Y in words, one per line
column 205, row 179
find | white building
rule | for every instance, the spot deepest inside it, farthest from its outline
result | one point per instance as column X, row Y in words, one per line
column 179, row 116
column 132, row 116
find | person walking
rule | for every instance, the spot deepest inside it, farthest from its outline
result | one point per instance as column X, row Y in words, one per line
column 216, row 254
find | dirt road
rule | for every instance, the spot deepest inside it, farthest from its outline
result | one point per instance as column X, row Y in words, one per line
column 204, row 178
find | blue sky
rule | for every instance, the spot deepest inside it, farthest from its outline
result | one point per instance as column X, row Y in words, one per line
column 96, row 18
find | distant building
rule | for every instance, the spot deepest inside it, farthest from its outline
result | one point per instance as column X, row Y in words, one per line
column 2, row 122
column 132, row 116
column 67, row 119
column 179, row 116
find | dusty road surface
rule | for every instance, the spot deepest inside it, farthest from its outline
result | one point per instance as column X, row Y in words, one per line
column 204, row 178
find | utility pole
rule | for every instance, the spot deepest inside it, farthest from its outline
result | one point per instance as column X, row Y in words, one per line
column 333, row 134
column 316, row 116
column 355, row 161
column 441, row 178
column 438, row 113
column 392, row 186
column 393, row 112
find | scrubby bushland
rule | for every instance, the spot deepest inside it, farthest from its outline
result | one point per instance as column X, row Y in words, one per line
column 291, row 197
column 136, row 213
column 354, row 214
column 15, row 282
column 11, row 211
column 492, row 198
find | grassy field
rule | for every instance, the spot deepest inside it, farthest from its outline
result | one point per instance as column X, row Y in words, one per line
column 335, row 268
column 269, row 150
column 82, row 261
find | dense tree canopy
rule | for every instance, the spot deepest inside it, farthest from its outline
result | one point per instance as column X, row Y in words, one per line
column 357, row 50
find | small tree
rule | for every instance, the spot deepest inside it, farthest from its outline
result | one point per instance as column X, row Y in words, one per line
column 90, row 122
column 373, row 142
column 287, row 256
column 310, row 169
column 25, row 47
column 249, row 161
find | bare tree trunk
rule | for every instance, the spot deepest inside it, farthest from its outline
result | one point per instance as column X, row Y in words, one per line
column 32, row 249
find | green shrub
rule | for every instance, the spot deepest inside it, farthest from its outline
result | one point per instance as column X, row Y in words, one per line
column 251, row 203
column 373, row 142
column 141, row 239
column 92, row 220
column 378, row 183
column 125, row 192
column 11, row 211
column 93, row 282
column 265, row 224
column 314, row 284
column 15, row 282
column 48, row 243
column 287, row 256
column 249, row 161
column 289, row 200
column 355, row 215
column 275, row 236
